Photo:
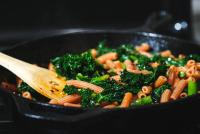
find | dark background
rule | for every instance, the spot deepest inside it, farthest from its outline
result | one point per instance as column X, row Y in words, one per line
column 31, row 19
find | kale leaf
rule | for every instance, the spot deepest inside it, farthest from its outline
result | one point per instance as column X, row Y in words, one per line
column 124, row 51
column 70, row 65
column 142, row 61
column 23, row 87
column 70, row 90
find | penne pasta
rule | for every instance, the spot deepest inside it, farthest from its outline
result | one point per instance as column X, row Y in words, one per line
column 145, row 72
column 129, row 65
column 108, row 56
column 175, row 83
column 154, row 64
column 190, row 63
column 53, row 101
column 191, row 71
column 71, row 104
column 160, row 81
column 86, row 85
column 143, row 47
column 110, row 64
column 116, row 78
column 94, row 53
column 27, row 95
column 198, row 66
column 178, row 90
column 183, row 95
column 190, row 79
column 126, row 100
column 166, row 53
column 165, row 96
column 109, row 106
column 172, row 74
column 146, row 89
column 69, row 98
column 196, row 75
column 140, row 94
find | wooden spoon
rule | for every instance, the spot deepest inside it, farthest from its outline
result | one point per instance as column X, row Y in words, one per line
column 42, row 80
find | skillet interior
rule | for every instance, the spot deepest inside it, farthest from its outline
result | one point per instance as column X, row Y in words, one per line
column 40, row 51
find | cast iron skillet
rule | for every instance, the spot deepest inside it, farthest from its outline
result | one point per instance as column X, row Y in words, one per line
column 42, row 50
column 43, row 116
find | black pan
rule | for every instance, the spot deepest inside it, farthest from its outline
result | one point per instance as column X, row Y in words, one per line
column 40, row 115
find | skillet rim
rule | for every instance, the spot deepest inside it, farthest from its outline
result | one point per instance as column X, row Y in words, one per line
column 95, row 31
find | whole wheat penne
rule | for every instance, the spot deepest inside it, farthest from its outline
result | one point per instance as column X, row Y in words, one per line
column 140, row 94
column 145, row 72
column 93, row 53
column 69, row 98
column 190, row 79
column 67, row 104
column 53, row 101
column 176, row 81
column 109, row 106
column 183, row 95
column 154, row 64
column 126, row 100
column 190, row 72
column 105, row 66
column 118, row 71
column 116, row 78
column 166, row 53
column 108, row 56
column 181, row 69
column 143, row 47
column 117, row 64
column 179, row 89
column 165, row 96
column 190, row 63
column 172, row 74
column 196, row 75
column 181, row 56
column 83, row 84
column 146, row 89
column 160, row 81
column 129, row 65
column 198, row 66
column 110, row 64
column 27, row 95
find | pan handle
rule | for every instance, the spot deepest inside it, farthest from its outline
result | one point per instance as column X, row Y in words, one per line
column 47, row 112
column 155, row 22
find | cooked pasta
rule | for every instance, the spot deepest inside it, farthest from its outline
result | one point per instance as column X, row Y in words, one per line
column 121, row 77
column 160, row 81
column 27, row 95
column 146, row 89
column 178, row 89
column 108, row 56
column 127, row 100
column 183, row 95
column 165, row 96
column 141, row 94
column 71, row 104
